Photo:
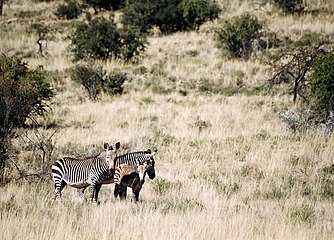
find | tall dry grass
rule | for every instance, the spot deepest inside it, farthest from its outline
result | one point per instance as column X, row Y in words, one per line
column 227, row 167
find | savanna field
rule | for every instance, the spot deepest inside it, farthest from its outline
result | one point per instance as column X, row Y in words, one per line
column 227, row 166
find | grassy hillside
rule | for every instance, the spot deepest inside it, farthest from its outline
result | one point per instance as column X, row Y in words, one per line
column 227, row 167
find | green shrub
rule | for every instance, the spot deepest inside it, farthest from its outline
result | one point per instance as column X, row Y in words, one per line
column 90, row 77
column 113, row 83
column 24, row 94
column 93, row 79
column 196, row 12
column 290, row 6
column 322, row 85
column 100, row 38
column 169, row 15
column 97, row 39
column 71, row 10
column 237, row 35
column 98, row 5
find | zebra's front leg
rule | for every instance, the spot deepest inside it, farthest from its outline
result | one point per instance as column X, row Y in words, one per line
column 122, row 192
column 58, row 188
column 95, row 189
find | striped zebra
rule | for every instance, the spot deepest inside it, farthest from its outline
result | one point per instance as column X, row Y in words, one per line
column 135, row 159
column 81, row 173
column 125, row 176
column 133, row 177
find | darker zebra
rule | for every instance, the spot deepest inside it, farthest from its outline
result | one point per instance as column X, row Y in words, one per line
column 125, row 176
column 135, row 159
column 81, row 173
column 133, row 177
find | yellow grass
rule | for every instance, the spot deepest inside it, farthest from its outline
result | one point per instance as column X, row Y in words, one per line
column 227, row 167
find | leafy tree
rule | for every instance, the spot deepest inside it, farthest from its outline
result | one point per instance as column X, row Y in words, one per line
column 100, row 38
column 237, row 35
column 291, row 64
column 98, row 5
column 133, row 44
column 196, row 12
column 322, row 85
column 24, row 94
column 169, row 15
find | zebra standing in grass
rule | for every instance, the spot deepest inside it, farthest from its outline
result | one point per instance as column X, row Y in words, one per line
column 126, row 176
column 133, row 177
column 135, row 159
column 81, row 173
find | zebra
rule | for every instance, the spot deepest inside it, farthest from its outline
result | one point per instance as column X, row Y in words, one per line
column 126, row 176
column 81, row 173
column 130, row 171
column 133, row 177
column 142, row 158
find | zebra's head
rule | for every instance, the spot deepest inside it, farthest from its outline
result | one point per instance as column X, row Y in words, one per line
column 141, row 170
column 110, row 154
column 150, row 162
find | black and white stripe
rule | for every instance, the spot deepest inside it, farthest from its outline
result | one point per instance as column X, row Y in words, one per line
column 135, row 159
column 81, row 173
column 133, row 177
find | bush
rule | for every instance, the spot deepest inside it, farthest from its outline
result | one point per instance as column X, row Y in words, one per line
column 98, row 5
column 93, row 79
column 102, row 39
column 236, row 35
column 196, row 12
column 113, row 83
column 322, row 85
column 169, row 15
column 71, row 10
column 24, row 94
column 90, row 77
column 290, row 6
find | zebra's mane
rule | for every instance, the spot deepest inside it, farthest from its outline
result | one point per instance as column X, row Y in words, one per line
column 136, row 153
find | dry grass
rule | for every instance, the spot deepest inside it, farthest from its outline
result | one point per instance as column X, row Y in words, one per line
column 227, row 168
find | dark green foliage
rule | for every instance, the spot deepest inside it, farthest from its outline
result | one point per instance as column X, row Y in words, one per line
column 90, row 77
column 93, row 79
column 97, row 39
column 133, row 44
column 291, row 63
column 24, row 94
column 290, row 6
column 236, row 35
column 196, row 12
column 71, row 10
column 102, row 39
column 113, row 83
column 322, row 85
column 98, row 5
column 169, row 15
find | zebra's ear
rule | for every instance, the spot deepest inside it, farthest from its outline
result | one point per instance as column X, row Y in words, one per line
column 106, row 146
column 149, row 150
column 118, row 145
column 155, row 152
